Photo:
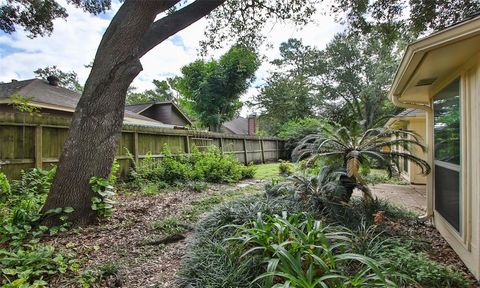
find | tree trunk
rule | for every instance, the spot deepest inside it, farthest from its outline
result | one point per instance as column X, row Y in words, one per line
column 90, row 146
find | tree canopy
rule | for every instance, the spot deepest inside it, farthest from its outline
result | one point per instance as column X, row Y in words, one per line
column 67, row 80
column 213, row 88
column 163, row 91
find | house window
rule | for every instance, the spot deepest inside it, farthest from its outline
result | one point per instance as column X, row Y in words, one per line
column 446, row 106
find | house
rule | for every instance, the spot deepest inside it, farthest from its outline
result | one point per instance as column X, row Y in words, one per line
column 55, row 100
column 241, row 125
column 440, row 74
column 165, row 112
column 412, row 120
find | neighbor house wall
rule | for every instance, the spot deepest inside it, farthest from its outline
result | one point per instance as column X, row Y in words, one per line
column 29, row 141
column 415, row 175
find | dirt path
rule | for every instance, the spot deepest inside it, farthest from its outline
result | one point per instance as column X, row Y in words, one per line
column 119, row 242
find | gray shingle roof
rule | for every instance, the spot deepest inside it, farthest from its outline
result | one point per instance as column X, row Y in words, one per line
column 238, row 125
column 40, row 91
column 411, row 112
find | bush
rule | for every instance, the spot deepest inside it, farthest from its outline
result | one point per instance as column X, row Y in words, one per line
column 285, row 168
column 421, row 269
column 210, row 166
column 211, row 261
column 294, row 130
column 301, row 251
column 23, row 260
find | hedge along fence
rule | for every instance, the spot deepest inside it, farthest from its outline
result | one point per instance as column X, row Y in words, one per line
column 28, row 141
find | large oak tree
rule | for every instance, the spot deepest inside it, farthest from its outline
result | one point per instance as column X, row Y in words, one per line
column 90, row 146
column 134, row 30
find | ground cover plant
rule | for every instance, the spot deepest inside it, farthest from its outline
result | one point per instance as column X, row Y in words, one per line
column 285, row 239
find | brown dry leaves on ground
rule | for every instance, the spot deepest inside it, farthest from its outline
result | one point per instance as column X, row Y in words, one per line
column 123, row 240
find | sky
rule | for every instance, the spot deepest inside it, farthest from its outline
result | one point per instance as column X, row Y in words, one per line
column 74, row 41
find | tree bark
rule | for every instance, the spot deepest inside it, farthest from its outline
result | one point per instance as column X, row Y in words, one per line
column 90, row 146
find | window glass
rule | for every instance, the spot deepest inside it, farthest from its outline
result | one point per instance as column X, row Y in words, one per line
column 446, row 107
column 447, row 124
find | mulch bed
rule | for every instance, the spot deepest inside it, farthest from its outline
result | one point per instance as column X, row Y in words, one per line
column 127, row 240
column 439, row 250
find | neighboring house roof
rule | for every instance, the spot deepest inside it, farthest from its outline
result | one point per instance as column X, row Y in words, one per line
column 44, row 95
column 238, row 125
column 139, row 108
column 410, row 113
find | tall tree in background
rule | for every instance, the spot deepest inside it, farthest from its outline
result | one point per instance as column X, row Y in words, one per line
column 354, row 78
column 213, row 88
column 67, row 80
column 289, row 92
column 89, row 149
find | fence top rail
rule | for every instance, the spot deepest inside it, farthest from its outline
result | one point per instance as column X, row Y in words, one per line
column 45, row 120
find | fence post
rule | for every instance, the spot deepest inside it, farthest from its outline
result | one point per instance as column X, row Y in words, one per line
column 263, row 151
column 278, row 151
column 38, row 147
column 245, row 150
column 221, row 144
column 135, row 148
column 187, row 144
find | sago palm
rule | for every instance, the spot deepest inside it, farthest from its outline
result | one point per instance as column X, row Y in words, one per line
column 353, row 147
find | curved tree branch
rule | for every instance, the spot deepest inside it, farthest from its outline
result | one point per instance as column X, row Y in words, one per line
column 179, row 20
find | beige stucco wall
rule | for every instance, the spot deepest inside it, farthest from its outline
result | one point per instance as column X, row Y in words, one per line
column 417, row 125
column 467, row 242
column 414, row 174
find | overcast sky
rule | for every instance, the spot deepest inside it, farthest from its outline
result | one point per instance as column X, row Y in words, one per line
column 74, row 42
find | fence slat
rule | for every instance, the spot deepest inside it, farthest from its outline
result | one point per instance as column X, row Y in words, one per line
column 43, row 144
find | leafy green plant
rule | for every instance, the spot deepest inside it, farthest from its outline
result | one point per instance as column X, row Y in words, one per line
column 4, row 186
column 353, row 147
column 103, row 201
column 210, row 166
column 169, row 226
column 32, row 264
column 301, row 252
column 421, row 269
column 285, row 168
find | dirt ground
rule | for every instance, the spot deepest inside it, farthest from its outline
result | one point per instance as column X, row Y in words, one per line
column 122, row 240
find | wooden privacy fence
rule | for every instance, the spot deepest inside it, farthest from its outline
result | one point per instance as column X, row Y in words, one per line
column 28, row 141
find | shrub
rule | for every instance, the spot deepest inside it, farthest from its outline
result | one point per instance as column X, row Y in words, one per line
column 294, row 130
column 210, row 166
column 33, row 264
column 421, row 269
column 285, row 168
column 215, row 167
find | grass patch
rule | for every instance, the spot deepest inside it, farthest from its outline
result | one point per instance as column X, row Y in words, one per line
column 377, row 176
column 268, row 171
column 169, row 226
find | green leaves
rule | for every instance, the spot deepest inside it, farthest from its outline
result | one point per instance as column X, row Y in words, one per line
column 103, row 202
column 301, row 252
column 213, row 88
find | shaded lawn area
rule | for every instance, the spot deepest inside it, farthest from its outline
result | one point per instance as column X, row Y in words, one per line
column 269, row 171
